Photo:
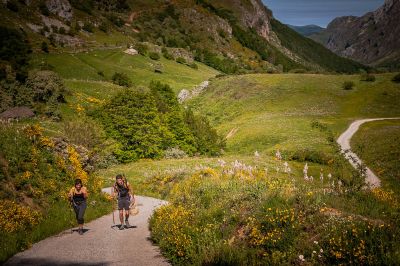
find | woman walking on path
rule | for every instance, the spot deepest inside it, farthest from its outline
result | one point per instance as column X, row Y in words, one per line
column 77, row 196
column 123, row 191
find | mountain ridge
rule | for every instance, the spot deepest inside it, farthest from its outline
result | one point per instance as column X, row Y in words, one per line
column 370, row 39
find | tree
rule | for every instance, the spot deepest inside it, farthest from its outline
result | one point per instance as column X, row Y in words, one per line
column 131, row 118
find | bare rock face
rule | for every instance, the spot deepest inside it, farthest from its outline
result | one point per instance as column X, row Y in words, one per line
column 61, row 8
column 85, row 158
column 17, row 113
column 370, row 39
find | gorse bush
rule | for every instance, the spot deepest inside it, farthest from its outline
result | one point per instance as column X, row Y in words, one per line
column 268, row 218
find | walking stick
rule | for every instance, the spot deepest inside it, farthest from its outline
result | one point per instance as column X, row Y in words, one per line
column 70, row 216
column 113, row 207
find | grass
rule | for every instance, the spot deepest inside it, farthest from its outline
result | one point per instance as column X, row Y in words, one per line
column 140, row 69
column 268, row 112
column 378, row 145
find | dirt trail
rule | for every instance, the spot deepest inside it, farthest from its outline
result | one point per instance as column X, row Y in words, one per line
column 344, row 142
column 101, row 244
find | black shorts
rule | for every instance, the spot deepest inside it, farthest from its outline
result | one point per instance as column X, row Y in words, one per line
column 123, row 203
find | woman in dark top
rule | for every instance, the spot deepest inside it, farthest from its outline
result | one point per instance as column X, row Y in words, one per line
column 123, row 191
column 77, row 196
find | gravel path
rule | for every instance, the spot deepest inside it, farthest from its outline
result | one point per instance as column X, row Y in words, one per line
column 101, row 244
column 344, row 142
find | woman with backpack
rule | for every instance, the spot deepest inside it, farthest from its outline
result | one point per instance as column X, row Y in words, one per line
column 77, row 196
column 123, row 191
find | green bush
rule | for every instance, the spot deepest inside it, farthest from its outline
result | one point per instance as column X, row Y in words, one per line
column 88, row 26
column 368, row 77
column 142, row 49
column 45, row 47
column 396, row 78
column 154, row 56
column 181, row 60
column 348, row 85
column 121, row 79
column 43, row 9
column 194, row 65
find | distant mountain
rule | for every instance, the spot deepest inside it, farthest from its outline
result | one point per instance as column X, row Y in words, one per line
column 372, row 39
column 306, row 30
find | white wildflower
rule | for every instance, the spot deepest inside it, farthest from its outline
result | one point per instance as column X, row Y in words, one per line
column 301, row 257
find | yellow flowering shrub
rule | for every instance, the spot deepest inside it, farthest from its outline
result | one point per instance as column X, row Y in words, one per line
column 77, row 171
column 172, row 226
column 386, row 196
column 14, row 217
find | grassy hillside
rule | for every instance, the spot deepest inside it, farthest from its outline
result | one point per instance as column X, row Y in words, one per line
column 312, row 51
column 266, row 112
column 377, row 143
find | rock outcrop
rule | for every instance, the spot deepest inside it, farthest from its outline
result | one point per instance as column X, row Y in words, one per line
column 61, row 8
column 371, row 39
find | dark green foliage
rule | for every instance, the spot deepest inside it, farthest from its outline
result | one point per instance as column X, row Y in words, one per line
column 226, row 65
column 104, row 27
column 132, row 119
column 121, row 79
column 250, row 39
column 207, row 139
column 88, row 26
column 312, row 51
column 368, row 77
column 194, row 65
column 142, row 48
column 181, row 60
column 173, row 117
column 154, row 56
column 83, row 5
column 147, row 123
column 348, row 85
column 166, row 54
column 100, row 73
column 112, row 5
column 43, row 9
column 12, row 5
column 117, row 21
column 45, row 47
column 15, row 50
column 396, row 78
column 62, row 30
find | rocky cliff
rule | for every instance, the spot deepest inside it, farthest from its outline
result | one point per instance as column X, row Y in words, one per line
column 371, row 39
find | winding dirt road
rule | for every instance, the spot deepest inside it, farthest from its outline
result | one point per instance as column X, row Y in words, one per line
column 344, row 142
column 101, row 244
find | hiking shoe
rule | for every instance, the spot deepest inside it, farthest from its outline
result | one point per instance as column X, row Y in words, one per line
column 127, row 225
column 80, row 231
column 121, row 227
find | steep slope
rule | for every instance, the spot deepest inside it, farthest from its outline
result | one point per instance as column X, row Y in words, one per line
column 306, row 30
column 234, row 36
column 371, row 39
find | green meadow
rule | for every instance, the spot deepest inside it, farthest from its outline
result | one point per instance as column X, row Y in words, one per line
column 377, row 143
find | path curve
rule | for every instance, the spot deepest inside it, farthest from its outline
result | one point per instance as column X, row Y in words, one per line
column 101, row 244
column 344, row 142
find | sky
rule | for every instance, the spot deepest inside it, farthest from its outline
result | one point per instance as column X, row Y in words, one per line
column 318, row 12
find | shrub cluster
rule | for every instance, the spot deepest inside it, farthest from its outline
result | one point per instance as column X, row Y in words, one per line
column 147, row 123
